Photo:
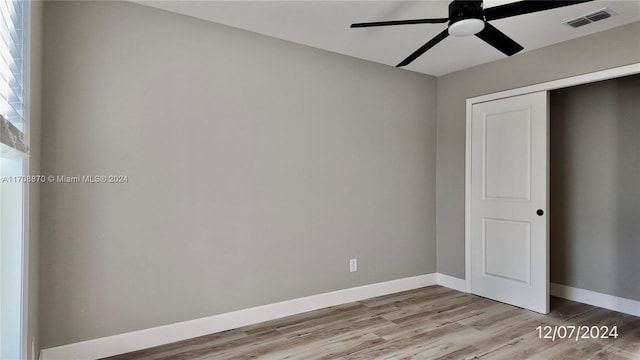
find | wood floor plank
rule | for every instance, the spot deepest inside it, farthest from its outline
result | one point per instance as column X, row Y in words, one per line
column 579, row 350
column 428, row 323
column 523, row 347
column 462, row 353
column 629, row 337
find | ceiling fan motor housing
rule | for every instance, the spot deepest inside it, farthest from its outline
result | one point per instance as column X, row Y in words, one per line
column 461, row 10
column 466, row 18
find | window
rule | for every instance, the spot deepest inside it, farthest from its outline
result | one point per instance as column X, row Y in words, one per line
column 13, row 162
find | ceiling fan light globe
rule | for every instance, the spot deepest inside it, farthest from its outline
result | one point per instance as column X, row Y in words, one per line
column 466, row 27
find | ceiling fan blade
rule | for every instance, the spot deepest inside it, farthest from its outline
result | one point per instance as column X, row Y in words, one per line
column 524, row 7
column 400, row 22
column 424, row 48
column 499, row 40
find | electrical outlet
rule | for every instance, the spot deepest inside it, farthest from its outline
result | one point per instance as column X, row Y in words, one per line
column 353, row 265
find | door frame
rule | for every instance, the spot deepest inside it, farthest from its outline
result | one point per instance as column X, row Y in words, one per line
column 545, row 86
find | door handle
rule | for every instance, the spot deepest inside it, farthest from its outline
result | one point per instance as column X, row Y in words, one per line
column 540, row 212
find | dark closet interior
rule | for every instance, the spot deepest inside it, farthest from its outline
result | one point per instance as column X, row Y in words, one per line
column 595, row 186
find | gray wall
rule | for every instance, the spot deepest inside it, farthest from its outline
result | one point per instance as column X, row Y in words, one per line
column 595, row 186
column 615, row 47
column 256, row 169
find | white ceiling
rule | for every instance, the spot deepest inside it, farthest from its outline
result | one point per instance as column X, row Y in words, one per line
column 325, row 25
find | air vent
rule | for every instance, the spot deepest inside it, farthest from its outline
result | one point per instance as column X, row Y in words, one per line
column 578, row 22
column 590, row 18
column 597, row 16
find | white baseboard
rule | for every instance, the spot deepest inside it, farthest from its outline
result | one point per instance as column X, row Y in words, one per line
column 627, row 306
column 451, row 282
column 142, row 339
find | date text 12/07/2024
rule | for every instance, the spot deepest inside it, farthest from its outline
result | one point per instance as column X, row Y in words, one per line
column 560, row 332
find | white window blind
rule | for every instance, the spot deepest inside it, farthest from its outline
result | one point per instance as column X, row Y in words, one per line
column 12, row 74
column 11, row 64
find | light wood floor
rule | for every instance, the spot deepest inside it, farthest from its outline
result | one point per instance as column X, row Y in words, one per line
column 428, row 323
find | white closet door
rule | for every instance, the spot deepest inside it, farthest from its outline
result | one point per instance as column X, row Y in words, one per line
column 509, row 197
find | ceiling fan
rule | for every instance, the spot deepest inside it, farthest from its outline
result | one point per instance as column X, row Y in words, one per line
column 469, row 18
